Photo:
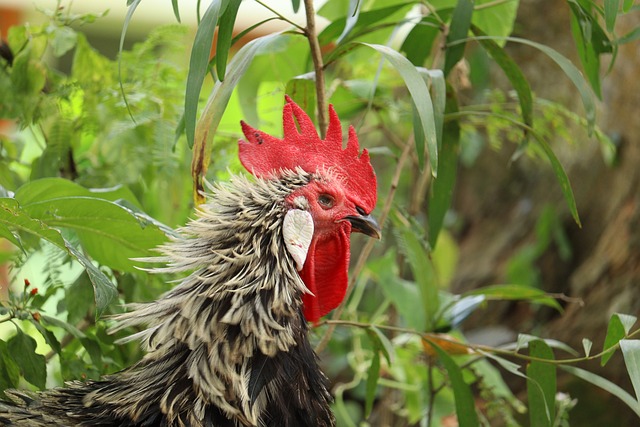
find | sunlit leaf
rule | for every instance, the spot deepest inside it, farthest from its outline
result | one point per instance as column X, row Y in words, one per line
column 516, row 292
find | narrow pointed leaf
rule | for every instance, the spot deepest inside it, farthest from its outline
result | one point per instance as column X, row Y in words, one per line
column 606, row 385
column 514, row 74
column 373, row 374
column 216, row 104
column 586, row 345
column 176, row 9
column 465, row 405
column 225, row 33
column 516, row 292
column 611, row 13
column 421, row 99
column 443, row 185
column 458, row 31
column 631, row 352
column 542, row 398
column 352, row 19
column 198, row 64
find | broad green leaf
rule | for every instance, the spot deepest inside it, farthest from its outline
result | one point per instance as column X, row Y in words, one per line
column 516, row 292
column 198, row 64
column 33, row 366
column 618, row 328
column 225, row 33
column 631, row 352
column 513, row 73
column 373, row 373
column 49, row 336
column 421, row 99
column 611, row 8
column 218, row 100
column 541, row 386
column 108, row 232
column 627, row 5
column 9, row 370
column 13, row 216
column 458, row 31
column 7, row 234
column 465, row 405
column 606, row 385
column 443, row 185
column 64, row 39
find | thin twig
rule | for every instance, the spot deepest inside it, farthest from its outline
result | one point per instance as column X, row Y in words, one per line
column 366, row 250
column 316, row 56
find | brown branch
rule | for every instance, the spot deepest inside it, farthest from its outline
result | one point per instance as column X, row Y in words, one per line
column 366, row 250
column 316, row 56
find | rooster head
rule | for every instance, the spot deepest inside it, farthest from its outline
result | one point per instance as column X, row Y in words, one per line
column 322, row 214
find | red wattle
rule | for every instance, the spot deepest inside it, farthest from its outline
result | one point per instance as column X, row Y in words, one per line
column 325, row 274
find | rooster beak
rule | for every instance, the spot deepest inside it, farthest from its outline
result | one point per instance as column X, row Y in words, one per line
column 365, row 224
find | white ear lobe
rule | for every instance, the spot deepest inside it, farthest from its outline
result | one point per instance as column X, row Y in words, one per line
column 297, row 230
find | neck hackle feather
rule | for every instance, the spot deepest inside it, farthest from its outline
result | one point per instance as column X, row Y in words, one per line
column 227, row 347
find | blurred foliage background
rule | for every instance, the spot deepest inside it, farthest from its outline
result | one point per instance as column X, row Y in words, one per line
column 502, row 133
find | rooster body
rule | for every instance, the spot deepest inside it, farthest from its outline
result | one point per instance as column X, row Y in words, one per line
column 228, row 346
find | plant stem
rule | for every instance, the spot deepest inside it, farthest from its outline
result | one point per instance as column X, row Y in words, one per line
column 316, row 56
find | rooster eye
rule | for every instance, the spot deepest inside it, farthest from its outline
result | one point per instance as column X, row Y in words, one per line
column 361, row 211
column 326, row 201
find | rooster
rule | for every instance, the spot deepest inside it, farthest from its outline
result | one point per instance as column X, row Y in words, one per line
column 228, row 346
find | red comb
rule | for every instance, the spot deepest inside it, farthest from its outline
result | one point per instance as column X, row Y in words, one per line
column 264, row 155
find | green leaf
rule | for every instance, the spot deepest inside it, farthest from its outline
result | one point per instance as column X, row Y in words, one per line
column 443, row 185
column 176, row 9
column 513, row 73
column 541, row 385
column 458, row 31
column 64, row 39
column 33, row 366
column 218, row 100
column 108, row 232
column 562, row 178
column 418, row 44
column 13, row 216
column 373, row 374
column 618, row 328
column 352, row 19
column 627, row 5
column 606, row 385
column 382, row 343
column 49, row 336
column 198, row 64
column 7, row 234
column 296, row 5
column 631, row 36
column 9, row 370
column 631, row 352
column 586, row 345
column 302, row 90
column 568, row 68
column 611, row 8
column 421, row 100
column 516, row 292
column 465, row 406
column 225, row 33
